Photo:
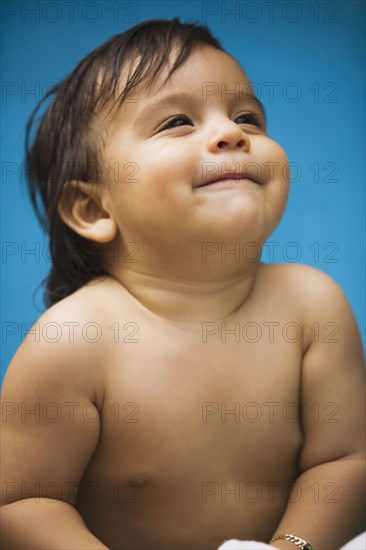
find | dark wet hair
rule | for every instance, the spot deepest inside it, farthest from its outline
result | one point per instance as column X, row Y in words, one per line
column 65, row 147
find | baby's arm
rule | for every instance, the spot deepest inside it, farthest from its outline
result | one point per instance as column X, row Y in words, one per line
column 45, row 452
column 326, row 505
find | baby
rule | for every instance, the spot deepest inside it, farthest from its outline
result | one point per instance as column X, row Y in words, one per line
column 177, row 392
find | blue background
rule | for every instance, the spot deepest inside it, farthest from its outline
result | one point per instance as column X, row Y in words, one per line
column 306, row 60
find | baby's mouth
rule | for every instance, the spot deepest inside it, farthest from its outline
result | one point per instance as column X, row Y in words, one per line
column 228, row 177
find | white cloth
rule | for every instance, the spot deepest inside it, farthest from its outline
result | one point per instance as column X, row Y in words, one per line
column 358, row 543
column 234, row 544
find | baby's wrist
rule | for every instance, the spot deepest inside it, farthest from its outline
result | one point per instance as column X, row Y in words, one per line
column 287, row 541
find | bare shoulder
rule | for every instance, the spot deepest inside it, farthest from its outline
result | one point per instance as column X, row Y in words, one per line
column 309, row 285
column 299, row 276
column 63, row 348
column 315, row 298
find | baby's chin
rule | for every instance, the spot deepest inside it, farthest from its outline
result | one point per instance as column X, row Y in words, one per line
column 247, row 222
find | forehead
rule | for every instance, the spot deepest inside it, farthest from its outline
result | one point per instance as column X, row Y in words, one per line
column 208, row 74
column 207, row 65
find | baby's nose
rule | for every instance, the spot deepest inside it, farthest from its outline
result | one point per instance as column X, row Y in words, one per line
column 229, row 136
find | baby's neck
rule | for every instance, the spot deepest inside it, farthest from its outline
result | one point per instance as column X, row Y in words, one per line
column 184, row 301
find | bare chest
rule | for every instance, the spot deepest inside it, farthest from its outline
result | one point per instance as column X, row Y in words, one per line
column 171, row 402
column 191, row 429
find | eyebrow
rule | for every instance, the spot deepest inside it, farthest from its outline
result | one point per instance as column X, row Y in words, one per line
column 179, row 97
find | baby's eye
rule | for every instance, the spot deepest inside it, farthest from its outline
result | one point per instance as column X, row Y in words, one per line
column 249, row 118
column 178, row 120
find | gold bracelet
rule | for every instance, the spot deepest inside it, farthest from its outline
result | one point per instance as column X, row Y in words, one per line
column 296, row 540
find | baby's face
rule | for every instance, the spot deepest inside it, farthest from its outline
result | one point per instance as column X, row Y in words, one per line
column 169, row 145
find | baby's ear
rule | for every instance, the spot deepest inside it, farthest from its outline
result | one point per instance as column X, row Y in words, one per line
column 80, row 207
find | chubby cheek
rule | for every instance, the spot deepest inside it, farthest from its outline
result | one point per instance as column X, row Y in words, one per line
column 161, row 192
column 165, row 174
column 274, row 162
column 277, row 175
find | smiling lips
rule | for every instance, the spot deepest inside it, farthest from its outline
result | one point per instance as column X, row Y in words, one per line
column 229, row 176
